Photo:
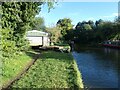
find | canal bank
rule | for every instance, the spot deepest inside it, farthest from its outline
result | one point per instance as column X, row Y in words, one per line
column 52, row 70
column 99, row 66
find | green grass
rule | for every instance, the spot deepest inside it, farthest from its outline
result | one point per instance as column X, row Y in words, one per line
column 52, row 70
column 11, row 67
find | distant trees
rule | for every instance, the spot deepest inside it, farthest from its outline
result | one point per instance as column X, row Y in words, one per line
column 84, row 25
column 38, row 24
column 84, row 31
column 99, row 22
column 65, row 25
column 89, row 32
column 55, row 34
column 117, row 28
column 96, row 32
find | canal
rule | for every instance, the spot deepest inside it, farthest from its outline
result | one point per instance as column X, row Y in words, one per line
column 99, row 66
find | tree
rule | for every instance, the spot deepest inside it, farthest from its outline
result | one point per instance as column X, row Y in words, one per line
column 38, row 24
column 99, row 22
column 84, row 32
column 65, row 25
column 17, row 18
column 85, row 25
column 91, row 23
column 117, row 29
column 55, row 34
column 78, row 26
column 18, row 15
column 90, row 33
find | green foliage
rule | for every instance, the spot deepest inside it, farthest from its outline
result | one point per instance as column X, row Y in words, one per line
column 55, row 34
column 91, row 23
column 69, row 35
column 8, row 45
column 38, row 24
column 22, row 44
column 51, row 70
column 107, row 30
column 18, row 15
column 64, row 25
column 51, row 4
column 90, row 32
column 85, row 25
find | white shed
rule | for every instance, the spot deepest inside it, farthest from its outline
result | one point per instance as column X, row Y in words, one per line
column 38, row 38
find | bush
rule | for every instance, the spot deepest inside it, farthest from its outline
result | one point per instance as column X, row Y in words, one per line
column 12, row 45
column 22, row 44
column 8, row 47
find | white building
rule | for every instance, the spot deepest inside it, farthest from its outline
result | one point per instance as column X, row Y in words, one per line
column 38, row 38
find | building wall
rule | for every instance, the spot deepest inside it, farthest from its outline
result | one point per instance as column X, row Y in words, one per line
column 38, row 38
column 46, row 41
column 35, row 41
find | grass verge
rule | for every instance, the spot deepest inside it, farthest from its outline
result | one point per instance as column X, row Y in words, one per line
column 11, row 67
column 52, row 70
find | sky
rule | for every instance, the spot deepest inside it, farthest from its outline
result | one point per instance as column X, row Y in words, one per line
column 79, row 11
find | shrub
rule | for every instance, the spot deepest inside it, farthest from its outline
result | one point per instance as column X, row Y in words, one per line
column 12, row 45
column 8, row 47
column 21, row 43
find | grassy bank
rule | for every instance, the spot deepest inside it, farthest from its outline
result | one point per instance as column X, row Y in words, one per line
column 52, row 70
column 12, row 66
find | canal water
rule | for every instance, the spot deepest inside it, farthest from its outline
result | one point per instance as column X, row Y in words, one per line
column 99, row 67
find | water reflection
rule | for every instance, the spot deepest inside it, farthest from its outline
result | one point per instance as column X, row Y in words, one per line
column 99, row 66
